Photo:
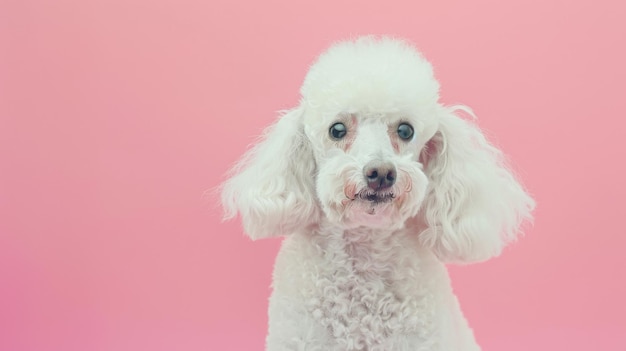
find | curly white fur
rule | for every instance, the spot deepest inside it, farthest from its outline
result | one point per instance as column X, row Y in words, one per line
column 363, row 268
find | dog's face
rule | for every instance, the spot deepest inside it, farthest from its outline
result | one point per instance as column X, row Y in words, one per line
column 369, row 172
column 369, row 110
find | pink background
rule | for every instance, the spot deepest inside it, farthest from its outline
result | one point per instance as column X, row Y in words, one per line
column 116, row 116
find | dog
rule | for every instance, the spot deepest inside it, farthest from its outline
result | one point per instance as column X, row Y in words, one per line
column 375, row 186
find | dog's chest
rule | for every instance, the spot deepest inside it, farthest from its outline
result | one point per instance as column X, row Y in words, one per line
column 368, row 296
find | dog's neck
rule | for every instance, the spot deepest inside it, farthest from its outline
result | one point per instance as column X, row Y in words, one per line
column 361, row 234
column 370, row 251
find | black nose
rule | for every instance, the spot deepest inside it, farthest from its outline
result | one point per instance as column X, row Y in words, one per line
column 379, row 175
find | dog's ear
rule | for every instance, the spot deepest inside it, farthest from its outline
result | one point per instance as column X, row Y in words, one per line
column 272, row 186
column 474, row 205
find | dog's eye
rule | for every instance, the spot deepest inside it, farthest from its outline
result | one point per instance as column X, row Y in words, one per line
column 405, row 131
column 338, row 131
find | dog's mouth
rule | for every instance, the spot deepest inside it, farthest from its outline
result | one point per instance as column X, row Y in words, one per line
column 375, row 197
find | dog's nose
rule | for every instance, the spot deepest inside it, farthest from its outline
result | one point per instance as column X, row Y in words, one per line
column 379, row 175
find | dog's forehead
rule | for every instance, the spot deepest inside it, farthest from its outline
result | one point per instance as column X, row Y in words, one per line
column 370, row 77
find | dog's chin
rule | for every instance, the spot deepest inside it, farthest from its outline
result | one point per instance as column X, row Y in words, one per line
column 372, row 209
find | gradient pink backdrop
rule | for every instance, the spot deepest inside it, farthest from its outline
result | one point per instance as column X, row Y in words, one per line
column 116, row 116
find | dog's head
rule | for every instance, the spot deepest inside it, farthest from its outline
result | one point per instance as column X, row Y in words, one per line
column 370, row 145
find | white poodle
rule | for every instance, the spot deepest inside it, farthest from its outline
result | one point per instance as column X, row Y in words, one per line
column 376, row 186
